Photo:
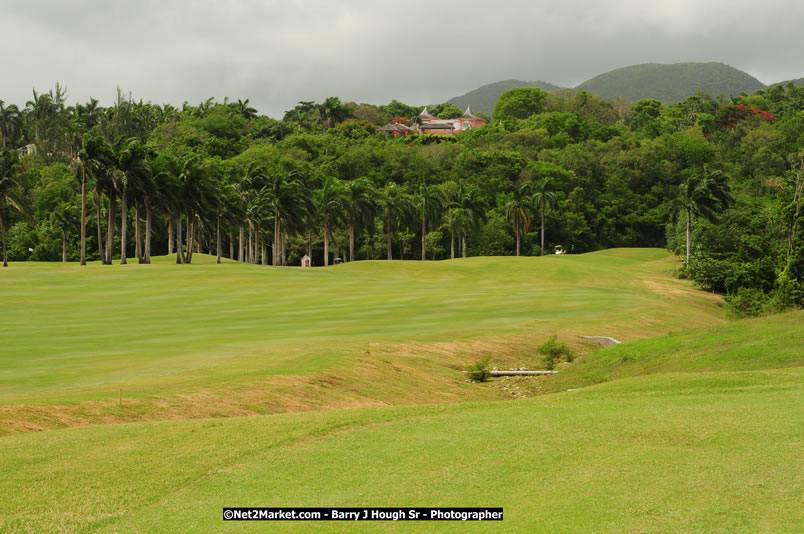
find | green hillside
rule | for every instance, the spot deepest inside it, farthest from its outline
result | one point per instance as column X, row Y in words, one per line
column 671, row 83
column 798, row 82
column 665, row 82
column 483, row 98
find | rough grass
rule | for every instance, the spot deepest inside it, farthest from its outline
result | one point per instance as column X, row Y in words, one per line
column 224, row 340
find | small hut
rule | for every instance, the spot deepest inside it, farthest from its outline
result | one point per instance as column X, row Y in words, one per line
column 305, row 261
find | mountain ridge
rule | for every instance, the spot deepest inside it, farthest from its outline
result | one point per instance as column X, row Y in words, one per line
column 667, row 82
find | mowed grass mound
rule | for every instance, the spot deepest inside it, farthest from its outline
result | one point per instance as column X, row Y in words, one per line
column 104, row 344
column 709, row 441
column 772, row 342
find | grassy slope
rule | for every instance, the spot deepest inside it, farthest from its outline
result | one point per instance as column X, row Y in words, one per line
column 711, row 441
column 232, row 339
column 671, row 83
column 768, row 343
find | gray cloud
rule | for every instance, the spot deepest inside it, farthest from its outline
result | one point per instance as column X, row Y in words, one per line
column 279, row 52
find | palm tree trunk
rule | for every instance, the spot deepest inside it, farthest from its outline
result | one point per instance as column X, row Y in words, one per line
column 123, row 223
column 517, row 242
column 3, row 231
column 351, row 242
column 240, row 245
column 190, row 237
column 463, row 242
column 137, row 234
column 187, row 241
column 275, row 255
column 219, row 240
column 689, row 235
column 147, row 232
column 83, row 222
column 451, row 245
column 63, row 246
column 178, row 239
column 170, row 235
column 110, row 230
column 424, row 238
column 326, row 246
column 101, row 255
column 284, row 248
column 388, row 242
column 542, row 228
column 250, row 243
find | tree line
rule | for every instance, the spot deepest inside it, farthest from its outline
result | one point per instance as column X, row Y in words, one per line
column 717, row 180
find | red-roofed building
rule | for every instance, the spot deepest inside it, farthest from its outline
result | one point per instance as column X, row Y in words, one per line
column 427, row 124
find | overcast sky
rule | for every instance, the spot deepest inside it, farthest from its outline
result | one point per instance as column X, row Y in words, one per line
column 420, row 52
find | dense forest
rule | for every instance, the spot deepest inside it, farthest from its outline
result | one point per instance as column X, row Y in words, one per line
column 720, row 182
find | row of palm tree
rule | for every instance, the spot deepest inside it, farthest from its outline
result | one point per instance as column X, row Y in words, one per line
column 528, row 197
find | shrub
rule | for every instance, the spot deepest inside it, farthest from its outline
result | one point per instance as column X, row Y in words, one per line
column 709, row 273
column 479, row 371
column 554, row 351
column 746, row 302
column 787, row 293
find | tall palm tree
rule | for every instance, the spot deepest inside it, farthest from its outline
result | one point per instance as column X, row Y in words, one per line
column 244, row 109
column 396, row 209
column 330, row 206
column 80, row 171
column 545, row 176
column 227, row 208
column 167, row 193
column 254, row 179
column 544, row 197
column 97, row 159
column 430, row 200
column 519, row 211
column 10, row 124
column 701, row 194
column 9, row 195
column 331, row 112
column 245, row 186
column 469, row 200
column 289, row 205
column 455, row 221
column 64, row 216
column 135, row 170
column 359, row 208
column 196, row 196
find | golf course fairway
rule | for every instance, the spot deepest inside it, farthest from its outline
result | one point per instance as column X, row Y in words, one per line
column 145, row 398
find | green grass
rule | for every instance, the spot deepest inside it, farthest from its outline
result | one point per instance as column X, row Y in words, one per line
column 79, row 334
column 695, row 425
